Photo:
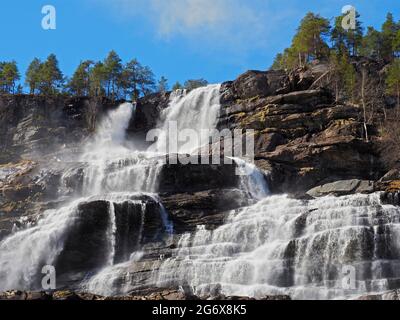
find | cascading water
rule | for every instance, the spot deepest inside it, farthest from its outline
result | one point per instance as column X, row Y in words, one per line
column 300, row 248
column 277, row 245
column 197, row 110
column 113, row 172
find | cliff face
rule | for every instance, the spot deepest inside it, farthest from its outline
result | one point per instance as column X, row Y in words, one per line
column 34, row 126
column 302, row 137
column 306, row 144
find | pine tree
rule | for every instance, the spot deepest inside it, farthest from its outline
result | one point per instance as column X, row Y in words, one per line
column 372, row 44
column 393, row 81
column 97, row 80
column 113, row 70
column 396, row 44
column 346, row 41
column 9, row 75
column 163, row 85
column 50, row 76
column 389, row 34
column 137, row 80
column 32, row 76
column 310, row 41
column 177, row 86
column 80, row 82
column 349, row 76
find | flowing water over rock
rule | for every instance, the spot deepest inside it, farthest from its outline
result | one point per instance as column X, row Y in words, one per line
column 300, row 248
column 115, row 236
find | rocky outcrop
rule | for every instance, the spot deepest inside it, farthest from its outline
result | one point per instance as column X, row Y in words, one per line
column 148, row 110
column 343, row 187
column 31, row 126
column 305, row 139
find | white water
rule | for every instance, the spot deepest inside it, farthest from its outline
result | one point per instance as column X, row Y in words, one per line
column 113, row 171
column 285, row 246
column 27, row 251
column 276, row 246
column 197, row 110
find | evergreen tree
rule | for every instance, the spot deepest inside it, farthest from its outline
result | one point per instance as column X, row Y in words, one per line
column 177, row 86
column 97, row 80
column 32, row 76
column 137, row 80
column 163, row 85
column 393, row 81
column 50, row 76
column 389, row 33
column 9, row 75
column 80, row 82
column 113, row 70
column 346, row 41
column 310, row 41
column 372, row 44
column 396, row 44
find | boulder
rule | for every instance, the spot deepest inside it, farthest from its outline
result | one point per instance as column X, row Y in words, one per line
column 253, row 84
column 343, row 187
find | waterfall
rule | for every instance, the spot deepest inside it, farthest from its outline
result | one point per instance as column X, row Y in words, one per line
column 23, row 254
column 113, row 172
column 300, row 248
column 197, row 110
column 252, row 180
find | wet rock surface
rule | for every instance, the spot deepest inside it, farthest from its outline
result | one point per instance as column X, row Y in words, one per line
column 155, row 294
column 309, row 145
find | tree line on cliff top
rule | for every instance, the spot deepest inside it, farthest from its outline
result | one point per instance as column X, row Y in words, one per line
column 315, row 39
column 108, row 78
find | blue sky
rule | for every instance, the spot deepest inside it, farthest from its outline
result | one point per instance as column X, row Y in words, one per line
column 180, row 39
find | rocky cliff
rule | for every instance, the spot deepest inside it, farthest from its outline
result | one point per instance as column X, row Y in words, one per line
column 307, row 146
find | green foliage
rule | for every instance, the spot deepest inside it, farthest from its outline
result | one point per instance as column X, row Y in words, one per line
column 346, row 41
column 308, row 44
column 389, row 37
column 393, row 80
column 372, row 44
column 97, row 78
column 177, row 86
column 195, row 83
column 50, row 76
column 396, row 44
column 162, row 85
column 80, row 82
column 344, row 75
column 137, row 80
column 310, row 40
column 9, row 75
column 32, row 76
column 112, row 71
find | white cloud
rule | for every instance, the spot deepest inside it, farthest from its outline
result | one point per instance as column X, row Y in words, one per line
column 228, row 22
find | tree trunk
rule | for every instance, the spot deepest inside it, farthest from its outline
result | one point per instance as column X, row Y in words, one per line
column 364, row 104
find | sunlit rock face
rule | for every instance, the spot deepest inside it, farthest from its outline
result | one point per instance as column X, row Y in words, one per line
column 108, row 210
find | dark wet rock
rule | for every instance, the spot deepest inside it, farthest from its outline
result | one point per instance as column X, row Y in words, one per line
column 148, row 111
column 86, row 246
column 151, row 294
column 190, row 210
column 179, row 178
